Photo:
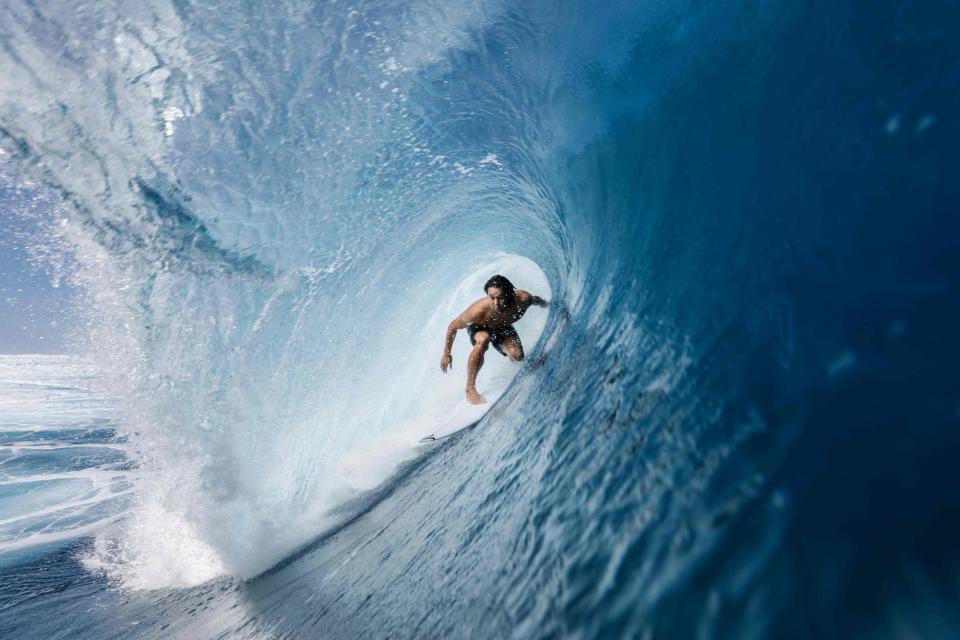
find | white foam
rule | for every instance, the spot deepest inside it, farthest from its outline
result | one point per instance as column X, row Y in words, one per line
column 153, row 546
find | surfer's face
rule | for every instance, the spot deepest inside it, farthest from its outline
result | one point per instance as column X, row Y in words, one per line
column 498, row 298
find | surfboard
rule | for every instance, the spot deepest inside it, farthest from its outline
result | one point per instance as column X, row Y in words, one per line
column 461, row 416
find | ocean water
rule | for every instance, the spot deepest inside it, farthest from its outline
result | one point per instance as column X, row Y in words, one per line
column 63, row 468
column 739, row 418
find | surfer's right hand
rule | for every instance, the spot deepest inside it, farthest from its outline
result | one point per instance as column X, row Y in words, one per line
column 446, row 362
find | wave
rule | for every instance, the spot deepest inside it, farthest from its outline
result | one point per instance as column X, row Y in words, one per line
column 742, row 212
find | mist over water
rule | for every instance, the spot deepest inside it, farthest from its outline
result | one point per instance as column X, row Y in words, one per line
column 739, row 419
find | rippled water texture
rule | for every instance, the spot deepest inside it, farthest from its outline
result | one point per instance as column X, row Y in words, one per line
column 62, row 469
column 741, row 417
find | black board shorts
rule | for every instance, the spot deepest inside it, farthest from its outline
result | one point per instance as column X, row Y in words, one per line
column 497, row 336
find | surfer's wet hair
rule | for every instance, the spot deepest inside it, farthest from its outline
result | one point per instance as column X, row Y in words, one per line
column 501, row 283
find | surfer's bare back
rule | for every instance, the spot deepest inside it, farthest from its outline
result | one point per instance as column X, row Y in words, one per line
column 489, row 321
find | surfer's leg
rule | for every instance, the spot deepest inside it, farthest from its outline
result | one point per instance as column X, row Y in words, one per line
column 474, row 362
column 511, row 345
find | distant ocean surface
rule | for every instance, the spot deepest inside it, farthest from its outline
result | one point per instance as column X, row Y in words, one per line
column 63, row 473
column 742, row 417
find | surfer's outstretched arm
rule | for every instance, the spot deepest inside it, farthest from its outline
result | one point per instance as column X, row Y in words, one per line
column 446, row 360
column 537, row 301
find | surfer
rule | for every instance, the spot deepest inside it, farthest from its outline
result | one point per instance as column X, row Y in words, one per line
column 489, row 321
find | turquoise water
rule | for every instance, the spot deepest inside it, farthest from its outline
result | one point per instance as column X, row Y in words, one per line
column 740, row 419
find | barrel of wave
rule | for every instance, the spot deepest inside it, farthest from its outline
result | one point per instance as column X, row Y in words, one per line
column 421, row 398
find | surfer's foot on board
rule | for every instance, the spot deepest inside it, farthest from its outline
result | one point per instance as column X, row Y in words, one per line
column 474, row 397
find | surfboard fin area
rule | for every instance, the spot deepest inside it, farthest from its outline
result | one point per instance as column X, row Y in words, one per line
column 461, row 416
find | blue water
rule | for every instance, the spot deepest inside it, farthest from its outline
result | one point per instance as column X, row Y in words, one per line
column 741, row 419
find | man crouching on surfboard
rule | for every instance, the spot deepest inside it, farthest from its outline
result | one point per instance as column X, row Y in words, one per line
column 490, row 321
